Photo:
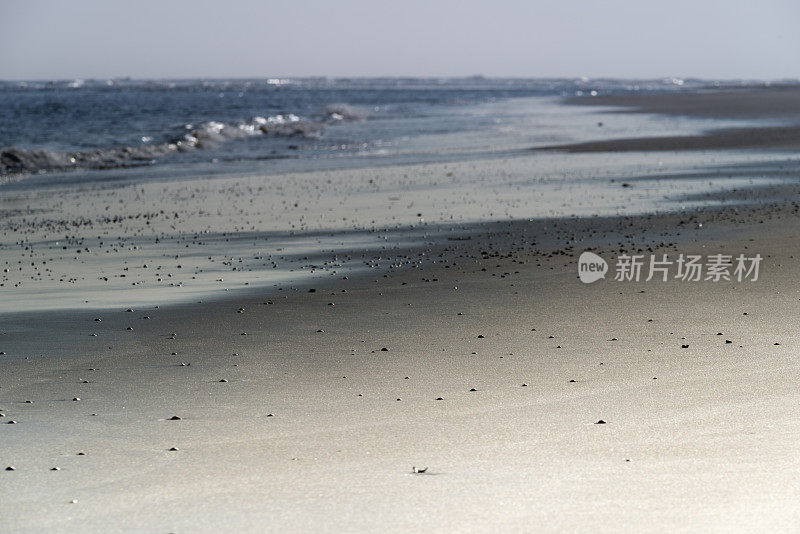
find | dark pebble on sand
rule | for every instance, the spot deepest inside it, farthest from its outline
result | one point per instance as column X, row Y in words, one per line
column 684, row 346
column 600, row 422
column 473, row 389
column 223, row 380
column 384, row 349
column 10, row 468
column 174, row 418
column 173, row 449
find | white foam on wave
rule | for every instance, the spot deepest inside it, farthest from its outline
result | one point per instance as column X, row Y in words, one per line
column 205, row 135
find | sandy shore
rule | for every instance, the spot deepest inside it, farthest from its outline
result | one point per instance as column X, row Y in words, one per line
column 307, row 431
column 781, row 104
column 471, row 350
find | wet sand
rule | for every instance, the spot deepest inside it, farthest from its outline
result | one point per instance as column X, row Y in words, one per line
column 476, row 356
column 777, row 137
column 778, row 102
column 765, row 104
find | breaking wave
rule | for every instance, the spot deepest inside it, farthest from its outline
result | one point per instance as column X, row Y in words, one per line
column 201, row 136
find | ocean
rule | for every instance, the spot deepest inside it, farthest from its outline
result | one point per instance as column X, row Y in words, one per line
column 175, row 128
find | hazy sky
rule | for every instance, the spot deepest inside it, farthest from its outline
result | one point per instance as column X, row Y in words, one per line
column 251, row 38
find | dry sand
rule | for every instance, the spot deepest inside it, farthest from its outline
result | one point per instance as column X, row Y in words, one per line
column 294, row 418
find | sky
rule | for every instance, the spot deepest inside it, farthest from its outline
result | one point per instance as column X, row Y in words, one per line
column 731, row 39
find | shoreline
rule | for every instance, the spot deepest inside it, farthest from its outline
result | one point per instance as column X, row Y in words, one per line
column 761, row 104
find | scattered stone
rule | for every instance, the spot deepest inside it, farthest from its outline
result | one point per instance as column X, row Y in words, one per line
column 11, row 468
column 419, row 470
column 174, row 418
column 600, row 422
column 223, row 381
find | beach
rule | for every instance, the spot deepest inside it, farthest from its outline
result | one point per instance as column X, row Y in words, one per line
column 426, row 358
